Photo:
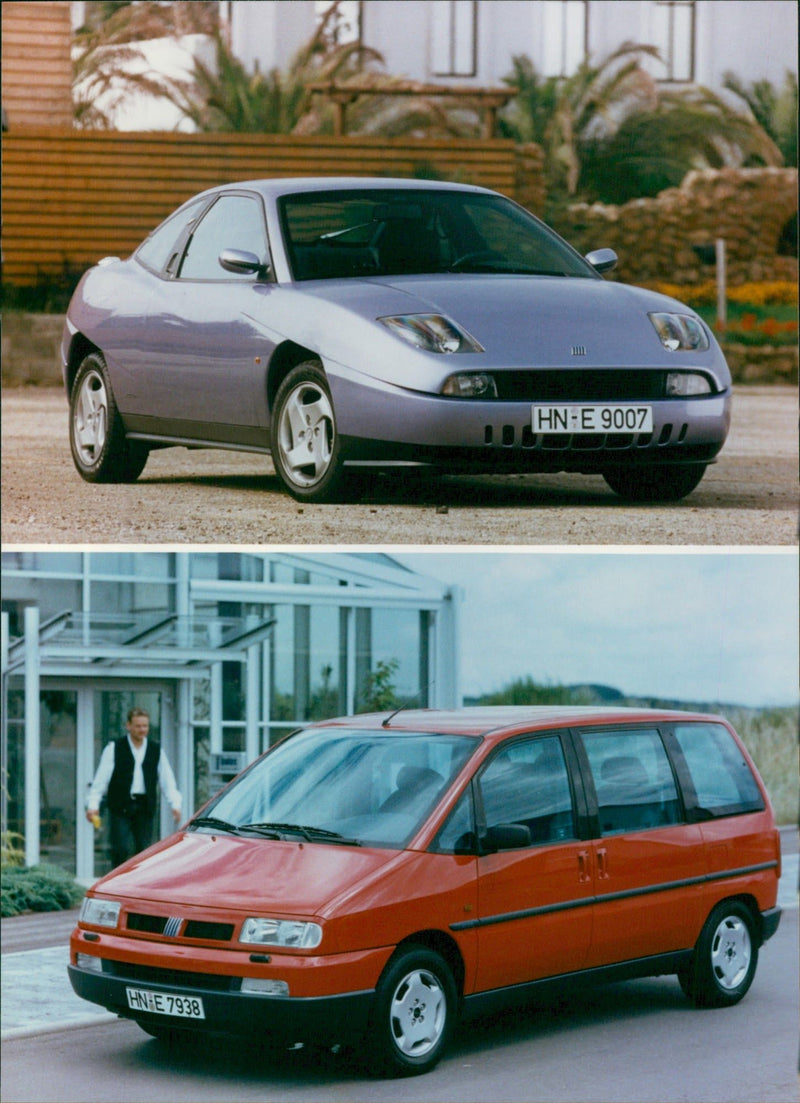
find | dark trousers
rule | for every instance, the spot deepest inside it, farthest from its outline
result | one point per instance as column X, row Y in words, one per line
column 130, row 831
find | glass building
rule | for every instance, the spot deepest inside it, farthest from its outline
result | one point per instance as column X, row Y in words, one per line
column 226, row 650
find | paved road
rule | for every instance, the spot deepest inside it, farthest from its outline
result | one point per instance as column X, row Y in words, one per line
column 749, row 497
column 638, row 1041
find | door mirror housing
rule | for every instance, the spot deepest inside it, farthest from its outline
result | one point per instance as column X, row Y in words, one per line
column 242, row 263
column 506, row 836
column 602, row 260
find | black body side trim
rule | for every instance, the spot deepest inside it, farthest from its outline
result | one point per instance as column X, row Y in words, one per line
column 585, row 901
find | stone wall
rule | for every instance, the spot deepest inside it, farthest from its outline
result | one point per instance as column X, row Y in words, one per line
column 653, row 238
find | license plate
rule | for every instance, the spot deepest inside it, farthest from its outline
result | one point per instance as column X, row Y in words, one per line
column 165, row 1003
column 592, row 419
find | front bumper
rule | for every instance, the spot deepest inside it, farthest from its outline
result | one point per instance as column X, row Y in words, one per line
column 284, row 1020
column 381, row 422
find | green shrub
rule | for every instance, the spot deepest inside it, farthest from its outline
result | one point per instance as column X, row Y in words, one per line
column 11, row 849
column 49, row 294
column 42, row 888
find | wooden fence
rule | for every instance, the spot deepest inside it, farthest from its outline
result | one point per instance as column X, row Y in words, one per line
column 71, row 197
column 36, row 74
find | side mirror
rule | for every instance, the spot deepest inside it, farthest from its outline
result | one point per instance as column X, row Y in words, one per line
column 602, row 260
column 506, row 836
column 242, row 263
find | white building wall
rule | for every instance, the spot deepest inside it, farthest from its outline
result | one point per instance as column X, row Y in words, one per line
column 754, row 40
column 270, row 32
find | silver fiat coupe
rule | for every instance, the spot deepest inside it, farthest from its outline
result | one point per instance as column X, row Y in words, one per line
column 345, row 325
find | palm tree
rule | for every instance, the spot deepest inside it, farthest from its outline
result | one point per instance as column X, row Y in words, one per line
column 109, row 65
column 610, row 133
column 653, row 150
column 222, row 95
column 226, row 96
column 775, row 109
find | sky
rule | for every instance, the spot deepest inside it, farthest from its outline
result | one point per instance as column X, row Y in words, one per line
column 711, row 627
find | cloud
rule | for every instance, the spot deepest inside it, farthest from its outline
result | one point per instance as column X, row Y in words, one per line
column 710, row 626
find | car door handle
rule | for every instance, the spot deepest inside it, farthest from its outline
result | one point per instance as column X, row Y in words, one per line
column 602, row 862
column 584, row 871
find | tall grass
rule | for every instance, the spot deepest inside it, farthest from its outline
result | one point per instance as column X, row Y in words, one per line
column 771, row 737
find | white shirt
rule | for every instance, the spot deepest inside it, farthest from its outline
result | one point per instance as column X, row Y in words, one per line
column 105, row 768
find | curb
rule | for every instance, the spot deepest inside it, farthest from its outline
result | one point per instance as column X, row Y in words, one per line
column 57, row 1028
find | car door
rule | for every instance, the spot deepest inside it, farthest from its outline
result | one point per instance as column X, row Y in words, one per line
column 202, row 372
column 534, row 899
column 648, row 863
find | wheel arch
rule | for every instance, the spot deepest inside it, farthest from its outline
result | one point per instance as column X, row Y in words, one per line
column 443, row 945
column 80, row 347
column 286, row 356
column 748, row 901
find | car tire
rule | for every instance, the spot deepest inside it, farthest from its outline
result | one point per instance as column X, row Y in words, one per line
column 306, row 447
column 100, row 452
column 660, row 483
column 725, row 958
column 413, row 1013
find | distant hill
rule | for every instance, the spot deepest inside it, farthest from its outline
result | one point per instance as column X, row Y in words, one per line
column 524, row 691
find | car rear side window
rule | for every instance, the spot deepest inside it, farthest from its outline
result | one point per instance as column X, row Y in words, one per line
column 527, row 784
column 722, row 779
column 159, row 247
column 633, row 779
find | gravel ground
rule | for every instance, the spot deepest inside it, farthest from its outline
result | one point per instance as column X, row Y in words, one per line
column 213, row 497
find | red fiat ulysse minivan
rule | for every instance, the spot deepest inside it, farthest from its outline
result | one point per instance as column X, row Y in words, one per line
column 370, row 879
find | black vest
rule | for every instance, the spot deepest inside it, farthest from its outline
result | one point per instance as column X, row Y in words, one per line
column 119, row 788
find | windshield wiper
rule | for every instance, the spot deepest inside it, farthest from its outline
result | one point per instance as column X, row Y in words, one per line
column 212, row 821
column 310, row 834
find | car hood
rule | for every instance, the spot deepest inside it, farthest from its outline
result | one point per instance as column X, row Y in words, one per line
column 520, row 321
column 196, row 869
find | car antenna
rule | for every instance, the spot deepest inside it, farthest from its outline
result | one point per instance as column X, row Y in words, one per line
column 401, row 708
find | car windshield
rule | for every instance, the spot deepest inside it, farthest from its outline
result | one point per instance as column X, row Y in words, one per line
column 341, row 787
column 341, row 234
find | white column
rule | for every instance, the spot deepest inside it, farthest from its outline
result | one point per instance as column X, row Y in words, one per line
column 84, row 771
column 251, row 707
column 32, row 736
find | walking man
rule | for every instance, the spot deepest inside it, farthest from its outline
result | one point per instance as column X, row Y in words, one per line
column 129, row 774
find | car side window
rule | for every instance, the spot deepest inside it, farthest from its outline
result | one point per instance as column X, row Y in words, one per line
column 722, row 779
column 633, row 780
column 527, row 784
column 157, row 249
column 234, row 222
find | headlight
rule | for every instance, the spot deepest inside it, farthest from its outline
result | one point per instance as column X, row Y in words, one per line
column 99, row 913
column 682, row 384
column 431, row 332
column 470, row 385
column 281, row 932
column 680, row 331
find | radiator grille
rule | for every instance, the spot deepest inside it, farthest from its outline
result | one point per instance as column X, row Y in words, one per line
column 193, row 928
column 631, row 385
